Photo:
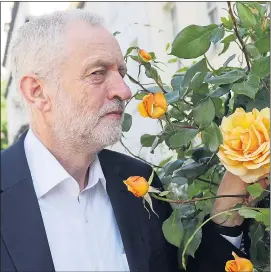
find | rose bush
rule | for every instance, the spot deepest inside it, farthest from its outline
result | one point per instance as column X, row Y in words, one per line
column 211, row 119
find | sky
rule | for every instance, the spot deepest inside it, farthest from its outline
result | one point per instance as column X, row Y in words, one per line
column 35, row 8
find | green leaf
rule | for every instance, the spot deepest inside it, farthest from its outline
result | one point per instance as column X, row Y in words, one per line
column 222, row 90
column 127, row 123
column 255, row 190
column 248, row 213
column 197, row 80
column 173, row 229
column 140, row 95
column 217, row 34
column 167, row 46
column 182, row 137
column 229, row 59
column 193, row 41
column 130, row 49
column 226, row 41
column 256, row 235
column 252, row 51
column 147, row 140
column 212, row 137
column 174, row 96
column 261, row 67
column 200, row 66
column 116, row 33
column 192, row 170
column 172, row 166
column 227, row 23
column 264, row 216
column 204, row 113
column 200, row 153
column 249, row 87
column 152, row 73
column 176, row 82
column 246, row 16
column 179, row 180
column 226, row 78
column 263, row 44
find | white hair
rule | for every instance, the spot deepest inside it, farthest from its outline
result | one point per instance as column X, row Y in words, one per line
column 38, row 46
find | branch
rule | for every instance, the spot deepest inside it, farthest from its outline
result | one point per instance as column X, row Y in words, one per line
column 238, row 36
column 138, row 83
column 126, row 148
column 194, row 199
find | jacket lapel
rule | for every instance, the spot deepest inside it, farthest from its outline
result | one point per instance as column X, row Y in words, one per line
column 124, row 206
column 22, row 227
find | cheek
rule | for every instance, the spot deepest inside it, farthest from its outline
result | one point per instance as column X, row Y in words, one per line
column 91, row 97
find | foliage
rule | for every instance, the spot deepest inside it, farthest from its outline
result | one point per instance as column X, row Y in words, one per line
column 4, row 132
column 198, row 98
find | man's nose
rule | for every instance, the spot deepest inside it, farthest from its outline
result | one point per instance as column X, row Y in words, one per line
column 119, row 88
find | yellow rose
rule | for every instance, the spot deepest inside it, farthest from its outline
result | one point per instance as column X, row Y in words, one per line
column 245, row 151
column 238, row 265
column 145, row 55
column 137, row 185
column 153, row 105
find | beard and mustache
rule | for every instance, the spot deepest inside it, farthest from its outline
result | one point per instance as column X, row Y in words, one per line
column 76, row 125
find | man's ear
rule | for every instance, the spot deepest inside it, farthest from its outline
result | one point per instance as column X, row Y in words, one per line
column 32, row 88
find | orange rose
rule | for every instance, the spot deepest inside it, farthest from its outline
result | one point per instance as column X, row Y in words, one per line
column 140, row 187
column 245, row 151
column 238, row 265
column 153, row 105
column 137, row 185
column 145, row 55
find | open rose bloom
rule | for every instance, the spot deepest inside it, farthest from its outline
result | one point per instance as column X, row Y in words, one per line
column 245, row 151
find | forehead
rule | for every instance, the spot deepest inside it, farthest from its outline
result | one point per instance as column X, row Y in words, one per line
column 84, row 42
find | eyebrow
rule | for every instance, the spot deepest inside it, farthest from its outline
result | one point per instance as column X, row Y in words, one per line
column 101, row 63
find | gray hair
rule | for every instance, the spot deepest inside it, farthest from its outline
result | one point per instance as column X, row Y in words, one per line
column 38, row 46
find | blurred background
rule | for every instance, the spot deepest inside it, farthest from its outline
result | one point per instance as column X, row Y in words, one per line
column 148, row 25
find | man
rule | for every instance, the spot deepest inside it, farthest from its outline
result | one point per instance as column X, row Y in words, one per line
column 64, row 204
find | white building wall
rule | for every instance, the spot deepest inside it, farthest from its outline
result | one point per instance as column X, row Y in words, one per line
column 131, row 18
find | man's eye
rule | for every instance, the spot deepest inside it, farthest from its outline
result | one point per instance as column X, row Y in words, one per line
column 99, row 72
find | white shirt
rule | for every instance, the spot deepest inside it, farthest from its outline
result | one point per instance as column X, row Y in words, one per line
column 80, row 226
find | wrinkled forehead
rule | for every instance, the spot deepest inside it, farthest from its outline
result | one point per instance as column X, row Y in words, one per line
column 83, row 41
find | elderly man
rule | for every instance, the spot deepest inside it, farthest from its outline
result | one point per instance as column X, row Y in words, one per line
column 64, row 204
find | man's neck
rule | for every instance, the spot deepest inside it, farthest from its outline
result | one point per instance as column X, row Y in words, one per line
column 75, row 162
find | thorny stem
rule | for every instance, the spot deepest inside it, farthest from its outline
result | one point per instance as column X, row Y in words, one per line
column 138, row 83
column 194, row 199
column 209, row 63
column 126, row 148
column 238, row 36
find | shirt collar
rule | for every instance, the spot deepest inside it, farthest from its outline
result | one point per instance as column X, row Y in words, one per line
column 47, row 172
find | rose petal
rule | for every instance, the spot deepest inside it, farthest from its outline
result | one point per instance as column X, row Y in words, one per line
column 142, row 110
column 255, row 174
column 238, row 170
column 262, row 157
column 148, row 103
column 251, row 165
column 262, row 129
column 225, row 159
column 160, row 101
